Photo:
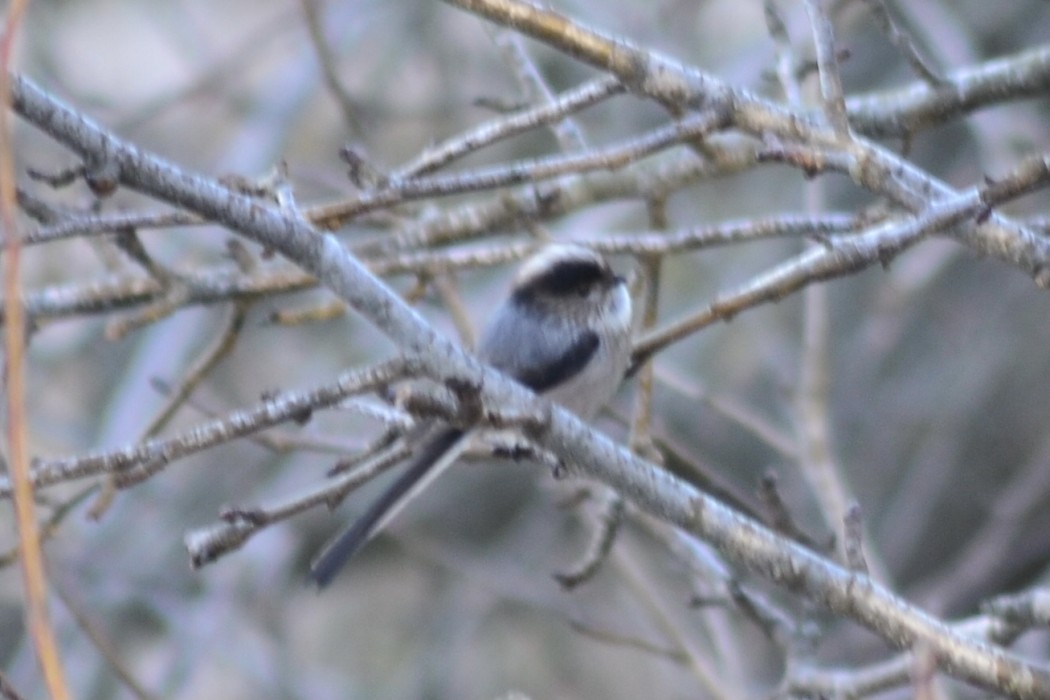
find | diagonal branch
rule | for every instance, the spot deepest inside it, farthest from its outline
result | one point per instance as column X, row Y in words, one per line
column 739, row 538
column 682, row 88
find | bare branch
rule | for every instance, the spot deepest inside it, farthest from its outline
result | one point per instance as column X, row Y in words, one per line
column 828, row 65
column 396, row 224
column 574, row 100
column 844, row 255
column 671, row 83
column 899, row 38
column 153, row 455
column 613, row 158
column 907, row 110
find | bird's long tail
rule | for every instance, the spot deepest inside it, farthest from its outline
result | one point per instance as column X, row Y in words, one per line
column 435, row 456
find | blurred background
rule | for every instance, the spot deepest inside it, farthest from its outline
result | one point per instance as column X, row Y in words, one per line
column 937, row 368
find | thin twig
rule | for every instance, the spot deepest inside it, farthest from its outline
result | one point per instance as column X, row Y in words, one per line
column 158, row 453
column 329, row 70
column 853, row 536
column 34, row 576
column 206, row 545
column 682, row 87
column 103, row 645
column 845, row 255
column 640, row 579
column 569, row 102
column 904, row 43
column 534, row 170
column 590, row 453
column 605, row 526
column 536, row 90
column 828, row 66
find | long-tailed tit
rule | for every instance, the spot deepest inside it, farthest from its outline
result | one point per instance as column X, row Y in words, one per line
column 564, row 332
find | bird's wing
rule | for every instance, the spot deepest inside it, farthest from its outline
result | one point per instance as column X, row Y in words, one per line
column 540, row 356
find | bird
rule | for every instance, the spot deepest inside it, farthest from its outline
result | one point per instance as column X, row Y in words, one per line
column 563, row 331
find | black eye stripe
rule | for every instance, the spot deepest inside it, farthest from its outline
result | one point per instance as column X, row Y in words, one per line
column 567, row 277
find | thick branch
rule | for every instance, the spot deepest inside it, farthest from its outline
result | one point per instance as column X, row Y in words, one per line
column 739, row 538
